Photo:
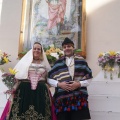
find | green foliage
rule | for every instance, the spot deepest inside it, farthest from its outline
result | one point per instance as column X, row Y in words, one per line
column 9, row 80
column 51, row 59
column 77, row 50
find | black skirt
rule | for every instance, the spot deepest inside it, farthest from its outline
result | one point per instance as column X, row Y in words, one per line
column 73, row 103
column 31, row 104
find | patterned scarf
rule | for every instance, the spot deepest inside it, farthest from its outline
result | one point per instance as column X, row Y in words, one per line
column 73, row 100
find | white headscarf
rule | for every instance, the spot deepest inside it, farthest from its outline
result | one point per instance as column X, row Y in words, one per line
column 23, row 65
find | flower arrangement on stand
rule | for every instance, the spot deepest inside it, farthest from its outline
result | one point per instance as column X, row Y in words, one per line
column 9, row 78
column 53, row 53
column 4, row 58
column 118, row 62
column 107, row 61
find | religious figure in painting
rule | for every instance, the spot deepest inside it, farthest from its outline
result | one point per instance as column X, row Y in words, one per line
column 50, row 21
column 56, row 13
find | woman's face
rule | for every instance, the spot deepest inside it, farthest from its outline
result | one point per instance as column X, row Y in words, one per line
column 37, row 51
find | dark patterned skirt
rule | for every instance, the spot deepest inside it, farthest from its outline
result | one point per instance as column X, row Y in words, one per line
column 72, row 101
column 31, row 104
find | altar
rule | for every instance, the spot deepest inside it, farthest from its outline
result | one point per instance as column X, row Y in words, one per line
column 104, row 97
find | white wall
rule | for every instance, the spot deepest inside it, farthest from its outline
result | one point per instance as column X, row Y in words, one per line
column 10, row 29
column 103, row 29
column 102, row 34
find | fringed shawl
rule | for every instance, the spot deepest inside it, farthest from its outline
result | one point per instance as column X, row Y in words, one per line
column 60, row 70
column 60, row 73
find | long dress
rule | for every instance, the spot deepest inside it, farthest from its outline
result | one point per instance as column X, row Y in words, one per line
column 32, row 99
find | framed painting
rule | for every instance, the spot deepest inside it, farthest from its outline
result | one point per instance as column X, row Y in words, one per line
column 50, row 21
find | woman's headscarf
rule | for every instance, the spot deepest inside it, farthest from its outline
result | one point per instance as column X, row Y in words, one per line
column 23, row 65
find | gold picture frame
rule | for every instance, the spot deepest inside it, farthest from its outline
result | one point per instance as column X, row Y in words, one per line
column 81, row 35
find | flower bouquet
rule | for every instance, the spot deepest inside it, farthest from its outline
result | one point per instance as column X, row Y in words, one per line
column 118, row 62
column 53, row 53
column 107, row 61
column 4, row 58
column 21, row 54
column 9, row 78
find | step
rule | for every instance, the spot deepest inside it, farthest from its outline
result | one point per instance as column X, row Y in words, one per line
column 104, row 103
column 104, row 87
column 103, row 115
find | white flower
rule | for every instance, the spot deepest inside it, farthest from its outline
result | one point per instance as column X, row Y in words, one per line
column 61, row 52
column 52, row 45
column 54, row 55
column 118, row 52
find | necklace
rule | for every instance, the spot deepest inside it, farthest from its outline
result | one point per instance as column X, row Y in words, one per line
column 70, row 65
column 36, row 61
column 69, row 62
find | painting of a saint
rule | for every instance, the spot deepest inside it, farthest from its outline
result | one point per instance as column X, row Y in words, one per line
column 56, row 14
column 50, row 21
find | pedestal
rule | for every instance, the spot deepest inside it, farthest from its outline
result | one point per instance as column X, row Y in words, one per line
column 104, row 97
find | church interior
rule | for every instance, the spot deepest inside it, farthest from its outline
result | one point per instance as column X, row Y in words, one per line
column 102, row 35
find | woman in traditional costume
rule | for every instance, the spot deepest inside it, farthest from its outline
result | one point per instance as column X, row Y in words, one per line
column 31, row 99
